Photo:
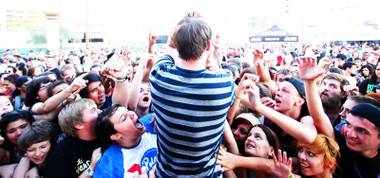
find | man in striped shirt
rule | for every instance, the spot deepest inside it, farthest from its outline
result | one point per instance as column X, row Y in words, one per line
column 191, row 104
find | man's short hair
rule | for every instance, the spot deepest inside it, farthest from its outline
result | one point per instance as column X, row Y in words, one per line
column 191, row 38
column 104, row 127
column 371, row 99
column 348, row 65
column 72, row 114
column 338, row 77
column 341, row 56
column 91, row 78
column 335, row 70
column 284, row 71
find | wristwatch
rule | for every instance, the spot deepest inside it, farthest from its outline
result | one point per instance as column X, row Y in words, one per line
column 89, row 171
column 122, row 79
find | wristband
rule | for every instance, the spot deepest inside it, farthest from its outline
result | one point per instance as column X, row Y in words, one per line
column 89, row 171
column 122, row 79
column 63, row 104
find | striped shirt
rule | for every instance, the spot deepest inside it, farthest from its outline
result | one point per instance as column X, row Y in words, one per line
column 191, row 108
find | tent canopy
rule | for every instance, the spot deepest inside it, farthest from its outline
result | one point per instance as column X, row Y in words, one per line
column 274, row 34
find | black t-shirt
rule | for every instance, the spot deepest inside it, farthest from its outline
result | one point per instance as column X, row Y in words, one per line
column 107, row 103
column 367, row 86
column 70, row 158
column 352, row 164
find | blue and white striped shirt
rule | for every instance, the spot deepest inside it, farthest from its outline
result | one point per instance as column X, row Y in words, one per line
column 191, row 108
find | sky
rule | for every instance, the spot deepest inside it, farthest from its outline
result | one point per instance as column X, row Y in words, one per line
column 235, row 20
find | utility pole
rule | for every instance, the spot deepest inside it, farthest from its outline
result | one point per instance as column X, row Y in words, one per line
column 87, row 38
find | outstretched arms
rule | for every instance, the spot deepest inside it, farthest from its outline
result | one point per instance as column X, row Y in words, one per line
column 308, row 71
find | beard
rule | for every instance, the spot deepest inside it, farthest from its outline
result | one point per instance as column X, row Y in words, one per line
column 331, row 102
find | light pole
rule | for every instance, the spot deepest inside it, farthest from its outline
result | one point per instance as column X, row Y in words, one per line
column 87, row 38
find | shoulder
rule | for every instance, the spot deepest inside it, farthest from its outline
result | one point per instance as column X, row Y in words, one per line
column 111, row 156
column 164, row 60
column 307, row 120
column 150, row 136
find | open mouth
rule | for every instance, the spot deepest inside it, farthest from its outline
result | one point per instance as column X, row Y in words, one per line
column 251, row 146
column 146, row 98
column 324, row 94
column 139, row 125
column 38, row 160
column 277, row 101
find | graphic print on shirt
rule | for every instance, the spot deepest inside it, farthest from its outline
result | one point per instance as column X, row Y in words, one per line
column 81, row 165
column 148, row 160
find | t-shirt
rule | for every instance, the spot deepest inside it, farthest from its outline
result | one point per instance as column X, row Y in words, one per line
column 352, row 164
column 123, row 162
column 148, row 121
column 190, row 108
column 367, row 86
column 107, row 103
column 70, row 158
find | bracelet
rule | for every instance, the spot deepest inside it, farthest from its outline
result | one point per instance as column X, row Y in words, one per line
column 89, row 171
column 63, row 104
column 122, row 79
column 238, row 97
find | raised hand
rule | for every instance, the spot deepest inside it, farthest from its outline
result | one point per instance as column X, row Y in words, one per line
column 146, row 65
column 152, row 40
column 257, row 56
column 308, row 69
column 246, row 82
column 282, row 165
column 115, row 69
column 227, row 160
column 253, row 92
column 78, row 84
column 269, row 102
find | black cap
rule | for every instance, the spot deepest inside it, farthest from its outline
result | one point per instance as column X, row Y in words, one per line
column 298, row 84
column 21, row 80
column 368, row 111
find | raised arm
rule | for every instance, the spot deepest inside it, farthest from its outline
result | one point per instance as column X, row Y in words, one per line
column 142, row 72
column 308, row 71
column 115, row 70
column 239, row 96
column 263, row 71
column 229, row 140
column 303, row 131
column 230, row 161
column 152, row 40
column 53, row 102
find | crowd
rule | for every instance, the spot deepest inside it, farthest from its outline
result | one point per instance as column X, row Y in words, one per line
column 197, row 109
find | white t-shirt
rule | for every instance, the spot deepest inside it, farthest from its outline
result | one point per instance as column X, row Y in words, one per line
column 143, row 155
